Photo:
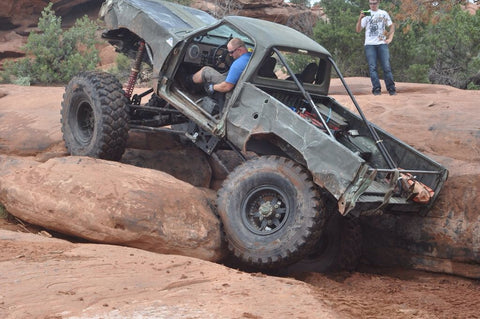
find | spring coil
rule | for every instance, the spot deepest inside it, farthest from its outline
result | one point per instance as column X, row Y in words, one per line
column 135, row 70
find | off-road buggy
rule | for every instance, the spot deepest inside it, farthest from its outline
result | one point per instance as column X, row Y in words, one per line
column 310, row 165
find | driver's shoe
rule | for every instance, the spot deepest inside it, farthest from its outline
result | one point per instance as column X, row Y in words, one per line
column 188, row 82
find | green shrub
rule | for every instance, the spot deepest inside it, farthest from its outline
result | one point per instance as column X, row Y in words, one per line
column 473, row 86
column 3, row 212
column 123, row 63
column 338, row 36
column 121, row 68
column 54, row 55
column 418, row 73
column 455, row 41
column 305, row 3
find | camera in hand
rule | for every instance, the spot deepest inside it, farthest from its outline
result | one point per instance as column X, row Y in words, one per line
column 366, row 12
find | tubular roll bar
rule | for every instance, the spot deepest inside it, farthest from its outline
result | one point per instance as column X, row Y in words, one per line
column 379, row 142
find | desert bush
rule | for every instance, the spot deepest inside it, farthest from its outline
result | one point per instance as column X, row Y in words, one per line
column 338, row 36
column 418, row 73
column 121, row 68
column 455, row 40
column 54, row 55
column 3, row 212
column 305, row 3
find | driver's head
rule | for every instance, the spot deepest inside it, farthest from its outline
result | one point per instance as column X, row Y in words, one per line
column 236, row 47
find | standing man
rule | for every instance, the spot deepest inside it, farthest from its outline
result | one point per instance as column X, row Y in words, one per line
column 216, row 81
column 377, row 39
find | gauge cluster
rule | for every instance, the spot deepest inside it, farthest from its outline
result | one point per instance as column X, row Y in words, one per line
column 201, row 54
column 198, row 53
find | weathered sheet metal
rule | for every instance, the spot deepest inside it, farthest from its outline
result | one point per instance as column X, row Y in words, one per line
column 332, row 165
column 161, row 24
column 268, row 35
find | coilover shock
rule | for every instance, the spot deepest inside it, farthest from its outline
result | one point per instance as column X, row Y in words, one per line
column 135, row 70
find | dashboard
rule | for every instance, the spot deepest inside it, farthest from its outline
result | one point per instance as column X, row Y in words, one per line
column 209, row 51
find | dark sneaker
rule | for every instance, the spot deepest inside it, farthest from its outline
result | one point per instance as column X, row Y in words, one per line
column 188, row 82
column 392, row 92
column 377, row 92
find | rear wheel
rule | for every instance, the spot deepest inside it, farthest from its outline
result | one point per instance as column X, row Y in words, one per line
column 94, row 116
column 338, row 249
column 271, row 212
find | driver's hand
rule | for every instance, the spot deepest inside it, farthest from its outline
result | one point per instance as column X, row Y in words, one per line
column 209, row 88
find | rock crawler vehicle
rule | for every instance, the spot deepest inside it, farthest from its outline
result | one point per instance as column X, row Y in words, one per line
column 309, row 167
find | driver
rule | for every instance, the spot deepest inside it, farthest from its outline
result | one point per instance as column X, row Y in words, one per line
column 216, row 81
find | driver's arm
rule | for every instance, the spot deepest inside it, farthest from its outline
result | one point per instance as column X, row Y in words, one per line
column 223, row 87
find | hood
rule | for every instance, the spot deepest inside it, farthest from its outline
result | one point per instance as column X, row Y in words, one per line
column 161, row 24
column 168, row 16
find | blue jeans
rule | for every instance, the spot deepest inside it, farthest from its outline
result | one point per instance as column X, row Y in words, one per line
column 380, row 53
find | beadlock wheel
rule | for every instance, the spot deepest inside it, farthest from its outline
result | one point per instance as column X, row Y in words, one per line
column 271, row 211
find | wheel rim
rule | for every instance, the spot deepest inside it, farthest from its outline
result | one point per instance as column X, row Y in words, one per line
column 265, row 210
column 85, row 122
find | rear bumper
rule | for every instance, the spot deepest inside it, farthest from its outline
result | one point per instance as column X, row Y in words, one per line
column 387, row 194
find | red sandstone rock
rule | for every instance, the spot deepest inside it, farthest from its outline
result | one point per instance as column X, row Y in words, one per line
column 114, row 203
column 440, row 121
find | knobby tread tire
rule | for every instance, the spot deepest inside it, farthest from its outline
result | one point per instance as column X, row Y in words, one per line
column 94, row 116
column 351, row 245
column 301, row 228
column 338, row 249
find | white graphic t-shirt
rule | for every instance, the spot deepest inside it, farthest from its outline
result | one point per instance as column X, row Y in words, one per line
column 375, row 25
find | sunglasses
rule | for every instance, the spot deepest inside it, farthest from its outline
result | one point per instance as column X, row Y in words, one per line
column 231, row 52
column 373, row 3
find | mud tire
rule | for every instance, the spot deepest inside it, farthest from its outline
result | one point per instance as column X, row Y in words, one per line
column 338, row 249
column 94, row 116
column 250, row 192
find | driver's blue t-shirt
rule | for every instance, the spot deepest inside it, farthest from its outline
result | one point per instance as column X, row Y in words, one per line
column 237, row 68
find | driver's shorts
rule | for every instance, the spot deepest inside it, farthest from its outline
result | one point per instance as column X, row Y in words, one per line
column 210, row 75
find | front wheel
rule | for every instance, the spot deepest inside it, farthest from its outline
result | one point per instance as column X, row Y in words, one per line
column 94, row 116
column 271, row 212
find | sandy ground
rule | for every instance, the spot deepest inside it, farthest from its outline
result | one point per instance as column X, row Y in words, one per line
column 44, row 277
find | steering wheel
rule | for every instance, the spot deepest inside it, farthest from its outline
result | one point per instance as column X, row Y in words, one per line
column 221, row 60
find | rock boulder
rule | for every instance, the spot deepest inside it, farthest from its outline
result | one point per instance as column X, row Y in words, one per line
column 438, row 120
column 442, row 122
column 115, row 203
